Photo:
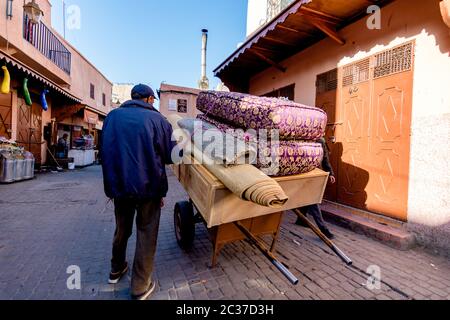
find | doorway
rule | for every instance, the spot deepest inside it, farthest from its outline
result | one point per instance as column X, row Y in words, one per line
column 29, row 128
column 6, row 115
column 369, row 130
column 326, row 90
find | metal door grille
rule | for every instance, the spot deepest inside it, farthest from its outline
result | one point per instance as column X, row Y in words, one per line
column 356, row 73
column 393, row 61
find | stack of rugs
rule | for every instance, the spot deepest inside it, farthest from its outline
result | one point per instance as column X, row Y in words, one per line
column 239, row 118
column 299, row 128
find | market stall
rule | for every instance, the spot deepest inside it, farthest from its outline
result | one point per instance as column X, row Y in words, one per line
column 16, row 164
column 83, row 151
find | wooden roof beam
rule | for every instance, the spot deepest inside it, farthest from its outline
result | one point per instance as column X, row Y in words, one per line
column 265, row 49
column 269, row 61
column 279, row 41
column 329, row 31
column 319, row 15
column 294, row 30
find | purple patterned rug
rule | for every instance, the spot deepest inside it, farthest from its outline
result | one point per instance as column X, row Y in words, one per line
column 294, row 121
column 282, row 158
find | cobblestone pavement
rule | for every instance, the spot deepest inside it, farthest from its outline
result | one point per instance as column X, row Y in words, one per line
column 60, row 220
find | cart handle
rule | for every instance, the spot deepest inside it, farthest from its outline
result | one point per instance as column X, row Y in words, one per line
column 327, row 241
column 261, row 246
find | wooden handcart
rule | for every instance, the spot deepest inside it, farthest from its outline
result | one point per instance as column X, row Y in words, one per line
column 229, row 218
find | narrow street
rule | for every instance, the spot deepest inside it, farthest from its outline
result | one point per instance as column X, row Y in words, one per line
column 61, row 220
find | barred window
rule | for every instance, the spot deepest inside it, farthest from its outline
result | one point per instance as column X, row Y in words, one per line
column 393, row 61
column 92, row 91
column 356, row 73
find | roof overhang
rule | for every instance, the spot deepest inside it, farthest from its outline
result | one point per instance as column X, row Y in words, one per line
column 300, row 25
column 8, row 60
column 101, row 113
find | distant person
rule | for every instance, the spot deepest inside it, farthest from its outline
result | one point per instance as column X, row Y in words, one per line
column 314, row 210
column 137, row 145
column 63, row 147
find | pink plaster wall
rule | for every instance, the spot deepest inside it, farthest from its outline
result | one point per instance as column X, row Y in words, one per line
column 402, row 21
column 83, row 74
column 82, row 71
column 12, row 30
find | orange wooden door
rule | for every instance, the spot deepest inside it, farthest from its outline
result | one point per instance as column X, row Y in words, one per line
column 326, row 99
column 29, row 128
column 23, row 123
column 390, row 132
column 5, row 115
column 353, row 155
column 375, row 104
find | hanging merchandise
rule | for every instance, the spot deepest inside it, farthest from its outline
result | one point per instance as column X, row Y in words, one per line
column 26, row 92
column 6, row 84
column 44, row 103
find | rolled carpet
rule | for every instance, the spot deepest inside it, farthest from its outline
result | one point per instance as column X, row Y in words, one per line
column 222, row 147
column 245, row 181
column 294, row 121
column 280, row 158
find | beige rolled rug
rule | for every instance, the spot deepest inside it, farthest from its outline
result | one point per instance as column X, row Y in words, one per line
column 246, row 181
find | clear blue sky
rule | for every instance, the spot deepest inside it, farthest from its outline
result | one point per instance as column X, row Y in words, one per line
column 152, row 41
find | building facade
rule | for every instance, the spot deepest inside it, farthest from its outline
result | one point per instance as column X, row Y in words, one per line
column 386, row 94
column 178, row 100
column 79, row 95
column 121, row 92
column 260, row 12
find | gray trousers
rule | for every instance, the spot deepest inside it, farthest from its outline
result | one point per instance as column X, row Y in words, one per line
column 316, row 213
column 147, row 223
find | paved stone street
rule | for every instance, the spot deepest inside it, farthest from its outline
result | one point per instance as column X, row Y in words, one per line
column 60, row 220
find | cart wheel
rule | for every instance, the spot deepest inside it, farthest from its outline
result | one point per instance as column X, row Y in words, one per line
column 184, row 224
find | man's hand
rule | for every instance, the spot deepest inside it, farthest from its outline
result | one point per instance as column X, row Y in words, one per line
column 162, row 203
column 332, row 180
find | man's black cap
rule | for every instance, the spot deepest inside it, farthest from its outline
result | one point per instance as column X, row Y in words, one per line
column 142, row 91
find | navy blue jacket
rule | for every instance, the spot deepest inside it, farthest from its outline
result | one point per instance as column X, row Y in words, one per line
column 137, row 145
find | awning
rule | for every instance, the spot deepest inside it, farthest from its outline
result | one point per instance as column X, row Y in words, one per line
column 300, row 25
column 5, row 58
column 98, row 112
column 99, row 125
column 90, row 117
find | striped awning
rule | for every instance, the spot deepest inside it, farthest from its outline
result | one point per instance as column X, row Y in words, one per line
column 8, row 60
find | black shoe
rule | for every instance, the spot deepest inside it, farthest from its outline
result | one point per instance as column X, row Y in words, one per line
column 114, row 277
column 328, row 234
column 145, row 295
